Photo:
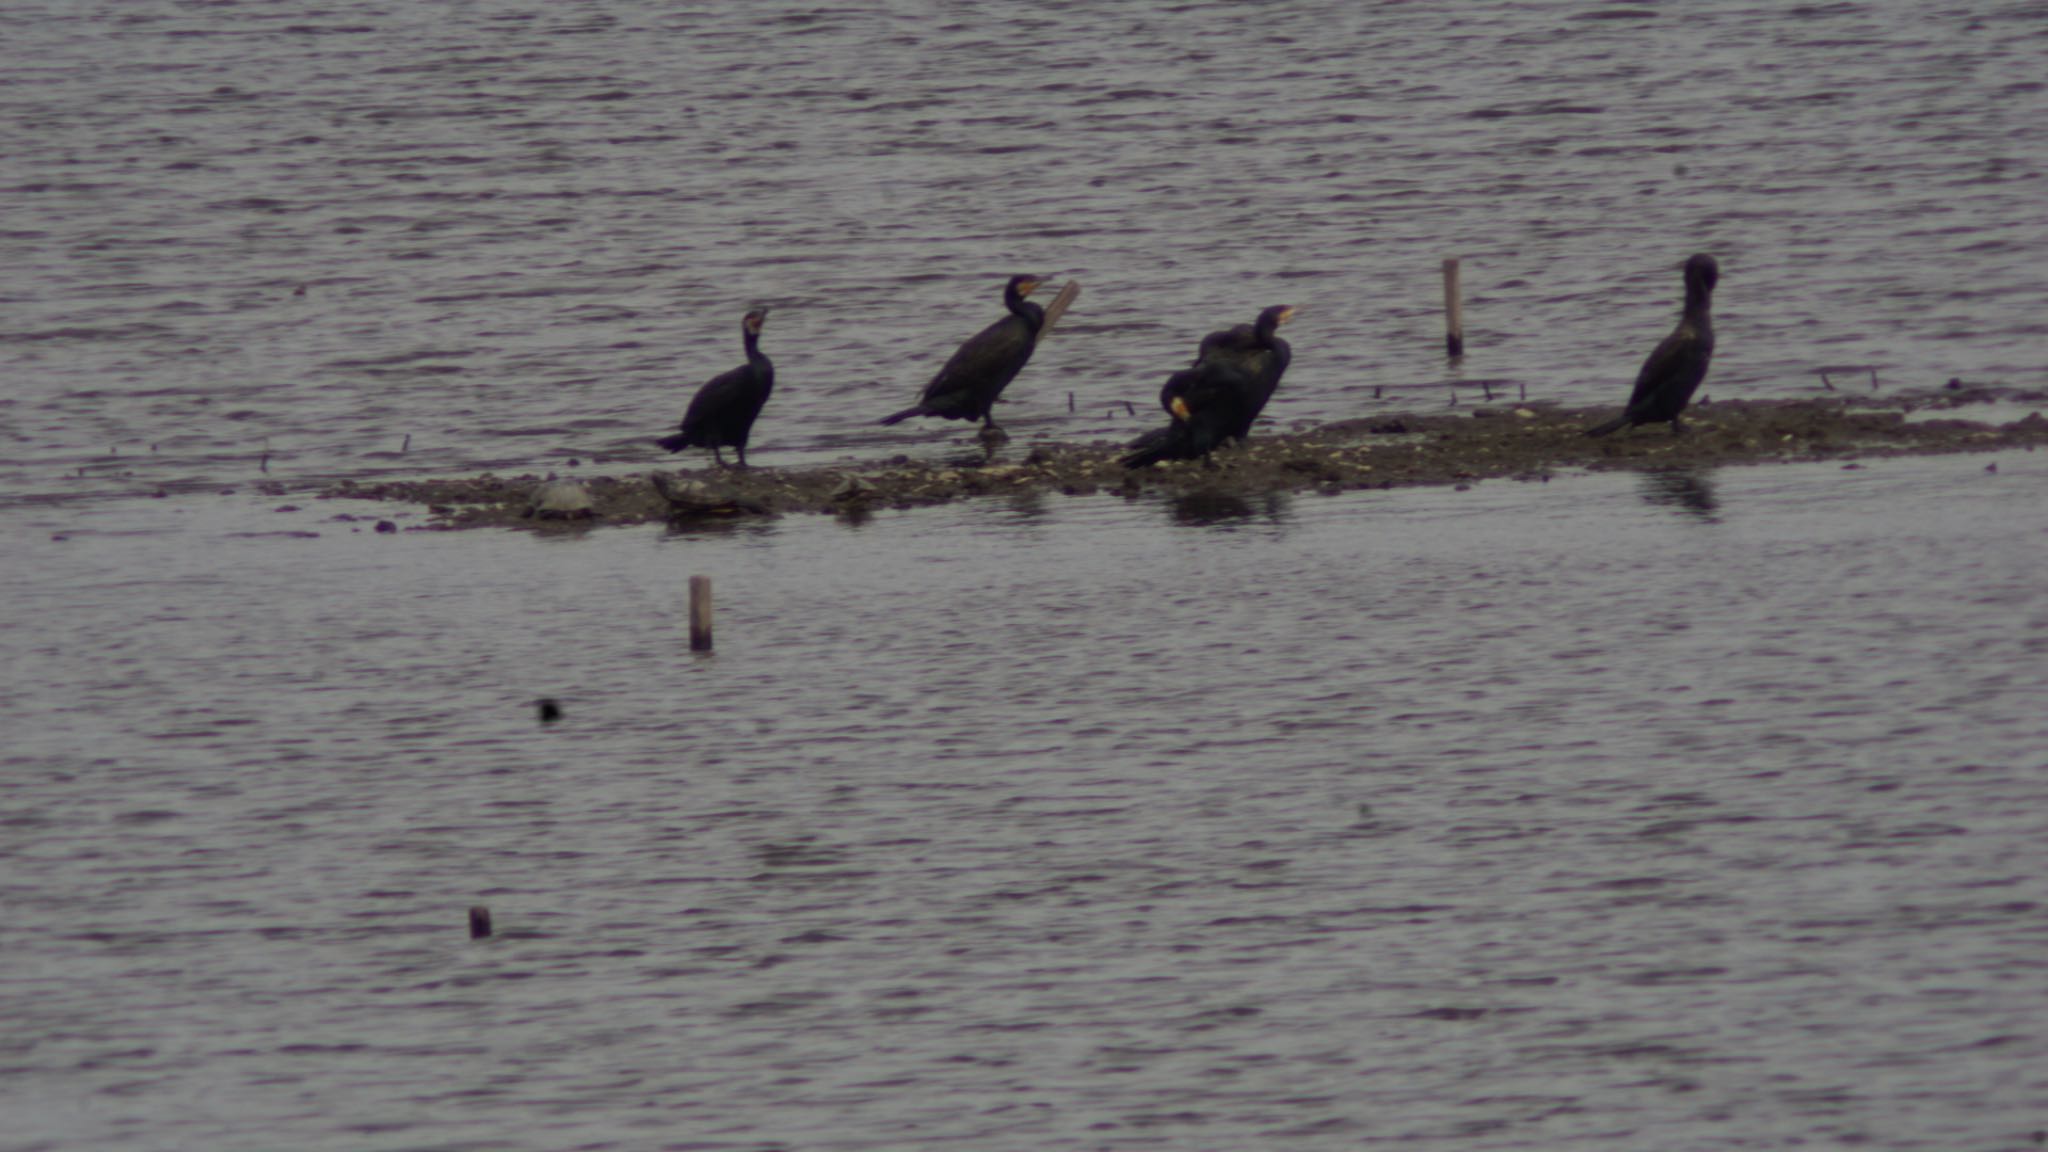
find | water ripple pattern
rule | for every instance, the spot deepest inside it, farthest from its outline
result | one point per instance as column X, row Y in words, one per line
column 355, row 238
column 1674, row 811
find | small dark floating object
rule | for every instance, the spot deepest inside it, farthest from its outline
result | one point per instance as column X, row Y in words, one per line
column 386, row 526
column 550, row 710
column 479, row 922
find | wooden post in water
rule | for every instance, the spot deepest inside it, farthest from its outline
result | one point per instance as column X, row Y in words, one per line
column 479, row 922
column 700, row 613
column 1454, row 311
column 1059, row 306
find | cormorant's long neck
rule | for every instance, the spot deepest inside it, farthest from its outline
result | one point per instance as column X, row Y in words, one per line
column 753, row 343
column 1031, row 313
column 1699, row 299
column 1264, row 331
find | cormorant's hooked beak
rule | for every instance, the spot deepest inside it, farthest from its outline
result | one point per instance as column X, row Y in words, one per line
column 1287, row 316
column 1030, row 286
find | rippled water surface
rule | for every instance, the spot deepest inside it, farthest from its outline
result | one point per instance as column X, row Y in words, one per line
column 1665, row 811
column 525, row 230
column 1681, row 811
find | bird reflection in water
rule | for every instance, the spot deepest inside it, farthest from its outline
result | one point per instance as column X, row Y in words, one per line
column 721, row 527
column 1213, row 509
column 1026, row 507
column 1690, row 490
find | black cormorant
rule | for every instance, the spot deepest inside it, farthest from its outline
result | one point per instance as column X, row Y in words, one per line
column 723, row 411
column 1214, row 401
column 1259, row 350
column 1674, row 370
column 967, row 387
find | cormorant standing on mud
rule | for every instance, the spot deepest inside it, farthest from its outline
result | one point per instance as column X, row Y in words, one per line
column 967, row 386
column 1216, row 400
column 723, row 411
column 1674, row 370
column 1258, row 347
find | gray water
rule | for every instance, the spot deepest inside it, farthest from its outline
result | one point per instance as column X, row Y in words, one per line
column 1668, row 811
column 526, row 231
column 1696, row 811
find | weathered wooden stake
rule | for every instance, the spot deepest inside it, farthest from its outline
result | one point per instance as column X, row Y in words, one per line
column 700, row 613
column 1058, row 307
column 1454, row 311
column 1070, row 401
column 479, row 922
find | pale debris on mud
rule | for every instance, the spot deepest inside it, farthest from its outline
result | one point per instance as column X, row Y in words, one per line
column 1525, row 442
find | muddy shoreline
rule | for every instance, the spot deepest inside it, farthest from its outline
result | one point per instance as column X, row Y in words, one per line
column 1528, row 442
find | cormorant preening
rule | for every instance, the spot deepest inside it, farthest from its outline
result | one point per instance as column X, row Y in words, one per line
column 1674, row 370
column 967, row 387
column 1235, row 372
column 723, row 411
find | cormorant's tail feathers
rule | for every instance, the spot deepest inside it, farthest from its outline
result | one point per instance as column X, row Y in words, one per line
column 1614, row 425
column 1150, row 449
column 907, row 413
column 675, row 443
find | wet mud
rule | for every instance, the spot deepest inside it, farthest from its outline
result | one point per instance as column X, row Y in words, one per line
column 1452, row 446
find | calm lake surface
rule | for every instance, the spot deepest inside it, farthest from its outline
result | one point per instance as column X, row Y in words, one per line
column 1643, row 811
column 1668, row 811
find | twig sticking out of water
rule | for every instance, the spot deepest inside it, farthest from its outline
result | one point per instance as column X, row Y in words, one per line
column 1454, row 311
column 1826, row 383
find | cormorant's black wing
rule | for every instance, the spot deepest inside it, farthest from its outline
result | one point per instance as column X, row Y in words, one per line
column 1674, row 368
column 981, row 368
column 722, row 398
